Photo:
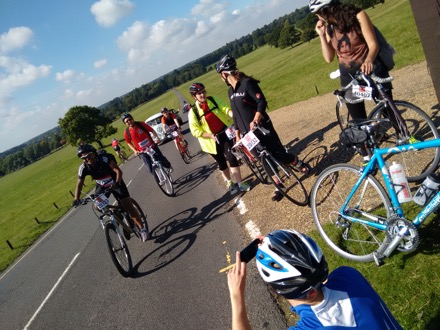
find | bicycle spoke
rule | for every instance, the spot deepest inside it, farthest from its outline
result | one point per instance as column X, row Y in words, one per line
column 118, row 250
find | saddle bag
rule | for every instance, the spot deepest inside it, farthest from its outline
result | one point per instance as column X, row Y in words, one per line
column 352, row 136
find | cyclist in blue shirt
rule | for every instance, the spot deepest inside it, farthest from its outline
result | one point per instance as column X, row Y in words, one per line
column 295, row 267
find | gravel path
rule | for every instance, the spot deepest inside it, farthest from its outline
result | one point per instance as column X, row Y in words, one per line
column 310, row 129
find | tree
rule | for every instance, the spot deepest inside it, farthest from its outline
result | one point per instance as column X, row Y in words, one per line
column 85, row 124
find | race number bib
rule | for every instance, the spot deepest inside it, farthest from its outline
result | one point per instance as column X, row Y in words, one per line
column 150, row 151
column 175, row 134
column 105, row 182
column 101, row 201
column 145, row 144
column 362, row 92
column 230, row 132
column 250, row 140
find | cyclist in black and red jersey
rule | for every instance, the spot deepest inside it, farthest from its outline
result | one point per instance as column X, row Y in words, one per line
column 249, row 105
column 170, row 124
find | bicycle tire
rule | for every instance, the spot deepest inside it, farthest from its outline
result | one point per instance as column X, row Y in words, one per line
column 257, row 169
column 351, row 240
column 118, row 250
column 418, row 164
column 141, row 213
column 121, row 158
column 185, row 156
column 293, row 188
column 163, row 180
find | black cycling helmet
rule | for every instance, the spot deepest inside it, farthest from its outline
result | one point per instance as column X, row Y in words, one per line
column 316, row 5
column 291, row 262
column 164, row 109
column 85, row 148
column 196, row 88
column 125, row 116
column 226, row 63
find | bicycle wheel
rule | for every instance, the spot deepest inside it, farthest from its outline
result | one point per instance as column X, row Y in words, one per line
column 418, row 164
column 121, row 157
column 292, row 188
column 257, row 169
column 342, row 115
column 163, row 180
column 118, row 250
column 350, row 239
column 141, row 213
column 184, row 153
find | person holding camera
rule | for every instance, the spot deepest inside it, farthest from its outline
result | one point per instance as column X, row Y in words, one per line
column 295, row 267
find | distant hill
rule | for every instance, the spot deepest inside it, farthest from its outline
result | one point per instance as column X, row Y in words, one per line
column 36, row 139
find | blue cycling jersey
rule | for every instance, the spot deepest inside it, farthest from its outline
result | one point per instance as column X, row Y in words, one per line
column 349, row 302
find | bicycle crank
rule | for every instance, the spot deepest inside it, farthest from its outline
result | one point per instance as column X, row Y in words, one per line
column 411, row 237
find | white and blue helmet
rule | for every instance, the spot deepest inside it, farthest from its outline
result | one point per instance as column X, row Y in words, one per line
column 291, row 262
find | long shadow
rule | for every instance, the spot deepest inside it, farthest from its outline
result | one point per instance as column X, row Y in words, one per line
column 192, row 179
column 170, row 248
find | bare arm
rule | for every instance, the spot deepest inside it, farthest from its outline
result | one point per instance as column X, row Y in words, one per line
column 328, row 52
column 117, row 170
column 237, row 284
column 370, row 38
column 79, row 185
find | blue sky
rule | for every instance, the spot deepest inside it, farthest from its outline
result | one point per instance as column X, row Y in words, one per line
column 55, row 54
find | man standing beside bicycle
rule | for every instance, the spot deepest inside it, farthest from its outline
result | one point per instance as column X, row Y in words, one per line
column 209, row 121
column 138, row 138
column 249, row 105
column 108, row 176
column 170, row 124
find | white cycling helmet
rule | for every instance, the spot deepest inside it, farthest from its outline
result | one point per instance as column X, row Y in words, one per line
column 316, row 5
column 291, row 262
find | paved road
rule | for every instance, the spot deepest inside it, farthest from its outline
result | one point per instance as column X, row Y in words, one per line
column 67, row 280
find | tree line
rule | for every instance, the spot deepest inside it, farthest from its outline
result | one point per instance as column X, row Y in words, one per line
column 90, row 124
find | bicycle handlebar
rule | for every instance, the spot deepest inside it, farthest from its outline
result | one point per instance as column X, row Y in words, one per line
column 362, row 76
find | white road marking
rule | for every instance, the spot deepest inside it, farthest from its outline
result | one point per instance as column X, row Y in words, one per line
column 51, row 291
column 252, row 229
column 240, row 205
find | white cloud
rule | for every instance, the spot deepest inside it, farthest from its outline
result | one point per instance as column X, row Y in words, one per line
column 108, row 12
column 15, row 38
column 100, row 63
column 65, row 76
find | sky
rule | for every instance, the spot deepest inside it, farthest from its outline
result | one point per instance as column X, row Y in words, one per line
column 56, row 54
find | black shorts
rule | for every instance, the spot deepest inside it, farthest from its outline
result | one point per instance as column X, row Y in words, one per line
column 116, row 148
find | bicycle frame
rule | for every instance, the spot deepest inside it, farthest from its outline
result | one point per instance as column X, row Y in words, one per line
column 377, row 160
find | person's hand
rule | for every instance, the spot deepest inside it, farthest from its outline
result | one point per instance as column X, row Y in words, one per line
column 237, row 278
column 367, row 67
column 320, row 28
column 75, row 203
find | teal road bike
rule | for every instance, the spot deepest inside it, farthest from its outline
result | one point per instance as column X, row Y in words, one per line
column 360, row 219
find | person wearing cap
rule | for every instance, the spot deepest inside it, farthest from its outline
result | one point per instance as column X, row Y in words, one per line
column 295, row 267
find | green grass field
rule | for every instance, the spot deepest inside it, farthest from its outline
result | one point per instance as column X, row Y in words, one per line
column 409, row 283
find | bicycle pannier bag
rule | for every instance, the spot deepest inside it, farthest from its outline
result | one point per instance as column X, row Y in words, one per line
column 351, row 136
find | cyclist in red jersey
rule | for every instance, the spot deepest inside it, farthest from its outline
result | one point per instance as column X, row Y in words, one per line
column 170, row 124
column 137, row 136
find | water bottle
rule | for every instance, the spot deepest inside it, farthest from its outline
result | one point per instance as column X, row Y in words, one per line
column 427, row 189
column 400, row 183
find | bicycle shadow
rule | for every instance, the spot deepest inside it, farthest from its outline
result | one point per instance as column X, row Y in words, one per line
column 170, row 249
column 320, row 156
column 191, row 180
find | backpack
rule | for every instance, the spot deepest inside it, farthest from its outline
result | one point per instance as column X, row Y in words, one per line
column 386, row 51
column 194, row 108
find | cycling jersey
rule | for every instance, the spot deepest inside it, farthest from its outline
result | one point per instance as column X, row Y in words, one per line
column 115, row 143
column 140, row 136
column 349, row 302
column 103, row 175
column 169, row 121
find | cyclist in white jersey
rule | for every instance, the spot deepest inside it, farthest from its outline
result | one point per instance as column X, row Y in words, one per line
column 295, row 267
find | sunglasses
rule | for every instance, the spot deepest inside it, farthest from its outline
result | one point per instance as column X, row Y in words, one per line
column 89, row 155
column 127, row 120
column 200, row 93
